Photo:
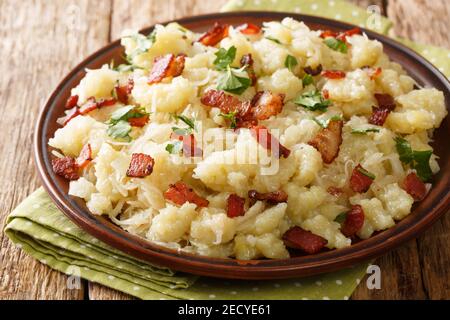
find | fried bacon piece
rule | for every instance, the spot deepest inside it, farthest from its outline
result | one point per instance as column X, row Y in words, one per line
column 247, row 60
column 272, row 197
column 360, row 181
column 269, row 142
column 386, row 104
column 373, row 73
column 266, row 104
column 354, row 221
column 333, row 74
column 335, row 191
column 65, row 167
column 84, row 157
column 72, row 113
column 123, row 92
column 343, row 35
column 313, row 72
column 71, row 102
column 249, row 28
column 306, row 241
column 92, row 104
column 141, row 165
column 326, row 94
column 139, row 122
column 328, row 34
column 214, row 35
column 328, row 141
column 166, row 66
column 179, row 193
column 235, row 206
column 415, row 187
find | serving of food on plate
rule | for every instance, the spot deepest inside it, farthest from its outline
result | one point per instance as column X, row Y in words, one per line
column 250, row 141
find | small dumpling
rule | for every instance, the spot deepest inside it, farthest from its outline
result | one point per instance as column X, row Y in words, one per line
column 98, row 83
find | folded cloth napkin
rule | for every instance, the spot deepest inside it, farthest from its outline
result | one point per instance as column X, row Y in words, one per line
column 45, row 233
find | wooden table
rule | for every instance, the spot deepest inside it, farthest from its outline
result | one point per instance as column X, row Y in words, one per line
column 42, row 40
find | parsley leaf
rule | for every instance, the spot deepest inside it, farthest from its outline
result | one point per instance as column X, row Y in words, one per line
column 174, row 148
column 143, row 43
column 307, row 80
column 341, row 217
column 290, row 62
column 325, row 122
column 120, row 129
column 224, row 58
column 274, row 40
column 336, row 44
column 366, row 173
column 313, row 101
column 232, row 83
column 184, row 131
column 231, row 116
column 118, row 123
column 364, row 130
column 186, row 120
column 418, row 160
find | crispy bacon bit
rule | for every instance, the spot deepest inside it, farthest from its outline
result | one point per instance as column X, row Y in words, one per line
column 335, row 191
column 247, row 60
column 328, row 141
column 166, row 66
column 266, row 104
column 123, row 92
column 179, row 193
column 373, row 73
column 106, row 103
column 266, row 140
column 72, row 113
column 326, row 93
column 328, row 34
column 71, row 102
column 354, row 221
column 235, row 206
column 138, row 122
column 385, row 101
column 141, row 165
column 306, row 241
column 360, row 182
column 214, row 35
column 248, row 28
column 343, row 35
column 65, row 167
column 84, row 157
column 272, row 197
column 313, row 72
column 415, row 187
column 92, row 104
column 386, row 104
column 333, row 74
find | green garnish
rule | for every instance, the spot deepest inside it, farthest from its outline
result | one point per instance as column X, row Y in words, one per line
column 143, row 43
column 365, row 131
column 307, row 80
column 184, row 131
column 224, row 58
column 326, row 122
column 118, row 123
column 232, row 83
column 366, row 173
column 313, row 101
column 418, row 160
column 231, row 117
column 174, row 148
column 290, row 62
column 336, row 44
column 273, row 39
column 341, row 217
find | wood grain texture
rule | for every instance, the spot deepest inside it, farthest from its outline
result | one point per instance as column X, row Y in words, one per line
column 41, row 42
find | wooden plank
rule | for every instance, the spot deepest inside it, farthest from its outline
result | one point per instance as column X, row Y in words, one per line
column 433, row 15
column 421, row 20
column 41, row 41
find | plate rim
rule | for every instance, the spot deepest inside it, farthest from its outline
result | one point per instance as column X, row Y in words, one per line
column 231, row 268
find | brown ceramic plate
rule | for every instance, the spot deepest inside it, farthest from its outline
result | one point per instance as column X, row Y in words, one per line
column 423, row 215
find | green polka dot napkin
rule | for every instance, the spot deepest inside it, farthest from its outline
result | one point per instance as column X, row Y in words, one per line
column 41, row 230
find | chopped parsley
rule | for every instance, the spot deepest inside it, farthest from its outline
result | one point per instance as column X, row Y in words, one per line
column 341, row 217
column 313, row 101
column 364, row 130
column 336, row 44
column 290, row 62
column 273, row 39
column 119, row 128
column 307, row 80
column 325, row 122
column 143, row 43
column 184, row 131
column 418, row 160
column 366, row 173
column 232, row 83
column 224, row 58
column 231, row 117
column 174, row 148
